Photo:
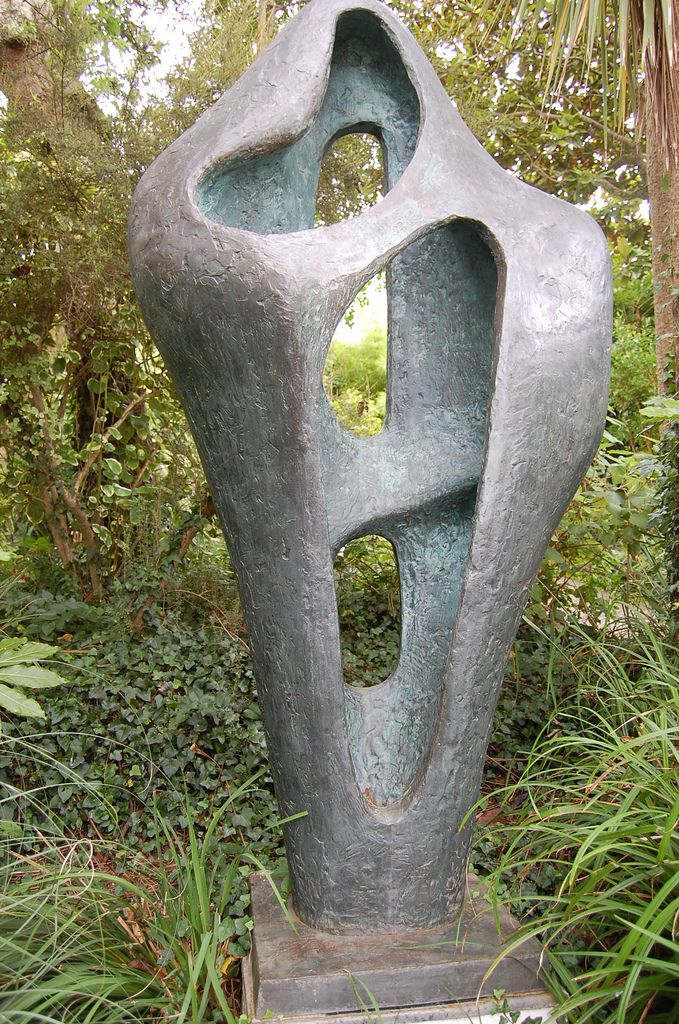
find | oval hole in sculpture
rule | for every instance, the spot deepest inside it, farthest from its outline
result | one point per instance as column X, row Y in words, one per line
column 351, row 178
column 355, row 371
column 369, row 609
column 369, row 93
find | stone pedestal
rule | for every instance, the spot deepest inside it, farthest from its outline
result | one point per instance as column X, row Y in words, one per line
column 398, row 978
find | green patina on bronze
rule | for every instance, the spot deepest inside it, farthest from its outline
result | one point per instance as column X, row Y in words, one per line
column 499, row 331
column 442, row 301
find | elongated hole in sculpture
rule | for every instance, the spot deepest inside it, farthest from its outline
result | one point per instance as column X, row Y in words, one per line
column 351, row 178
column 355, row 372
column 369, row 610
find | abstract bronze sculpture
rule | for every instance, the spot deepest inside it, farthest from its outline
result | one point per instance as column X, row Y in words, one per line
column 499, row 332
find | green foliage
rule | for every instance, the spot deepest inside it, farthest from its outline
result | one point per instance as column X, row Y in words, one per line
column 620, row 39
column 167, row 717
column 361, row 414
column 606, row 553
column 351, row 178
column 493, row 69
column 536, row 673
column 355, row 380
column 631, row 259
column 360, row 365
column 95, row 455
column 161, row 713
column 506, row 1014
column 20, row 670
column 664, row 409
column 633, row 376
column 633, row 360
column 221, row 48
column 368, row 605
column 103, row 934
column 46, row 615
column 668, row 450
column 601, row 803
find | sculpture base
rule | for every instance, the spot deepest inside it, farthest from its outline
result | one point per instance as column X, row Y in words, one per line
column 419, row 975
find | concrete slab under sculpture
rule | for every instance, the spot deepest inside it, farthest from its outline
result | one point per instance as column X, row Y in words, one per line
column 434, row 973
column 499, row 333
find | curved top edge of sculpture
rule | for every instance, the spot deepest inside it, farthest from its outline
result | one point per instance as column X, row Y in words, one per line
column 263, row 112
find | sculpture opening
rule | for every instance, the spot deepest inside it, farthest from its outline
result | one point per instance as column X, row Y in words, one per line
column 355, row 375
column 368, row 610
column 416, row 483
column 275, row 192
column 351, row 178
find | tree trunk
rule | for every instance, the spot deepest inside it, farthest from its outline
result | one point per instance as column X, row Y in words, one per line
column 663, row 194
column 23, row 76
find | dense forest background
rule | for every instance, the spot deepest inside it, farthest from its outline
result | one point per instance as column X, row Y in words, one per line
column 111, row 555
column 99, row 473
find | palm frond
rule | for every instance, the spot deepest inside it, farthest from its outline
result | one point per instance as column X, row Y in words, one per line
column 636, row 43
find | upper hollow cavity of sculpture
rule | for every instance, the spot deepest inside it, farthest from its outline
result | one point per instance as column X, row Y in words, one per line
column 368, row 91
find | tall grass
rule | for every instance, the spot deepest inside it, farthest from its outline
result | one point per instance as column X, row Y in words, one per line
column 601, row 792
column 92, row 934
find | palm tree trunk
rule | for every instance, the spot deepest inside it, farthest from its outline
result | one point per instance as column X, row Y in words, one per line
column 663, row 194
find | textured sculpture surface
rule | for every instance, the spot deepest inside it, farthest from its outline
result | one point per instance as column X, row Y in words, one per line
column 499, row 332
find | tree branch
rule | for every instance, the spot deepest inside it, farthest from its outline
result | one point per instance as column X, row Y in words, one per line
column 105, row 437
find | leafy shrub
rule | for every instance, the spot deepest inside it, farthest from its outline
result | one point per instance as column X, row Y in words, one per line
column 360, row 413
column 368, row 604
column 355, row 380
column 603, row 561
column 46, row 615
column 600, row 814
column 633, row 375
column 159, row 714
column 361, row 365
column 96, row 933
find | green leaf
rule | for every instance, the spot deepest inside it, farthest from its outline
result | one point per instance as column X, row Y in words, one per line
column 661, row 409
column 614, row 499
column 35, row 511
column 17, row 704
column 10, row 643
column 113, row 468
column 32, row 676
column 16, row 651
column 10, row 829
